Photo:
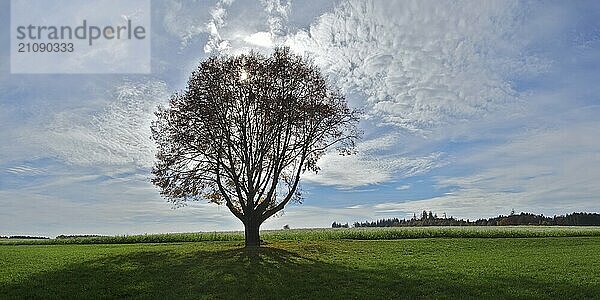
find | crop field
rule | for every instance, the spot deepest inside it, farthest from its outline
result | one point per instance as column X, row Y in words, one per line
column 381, row 233
column 530, row 263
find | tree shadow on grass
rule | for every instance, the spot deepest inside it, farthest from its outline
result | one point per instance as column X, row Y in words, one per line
column 266, row 273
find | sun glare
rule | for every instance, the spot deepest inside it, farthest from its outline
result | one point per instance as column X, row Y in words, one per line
column 243, row 75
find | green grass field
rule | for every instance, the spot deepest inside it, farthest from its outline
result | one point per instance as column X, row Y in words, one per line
column 308, row 267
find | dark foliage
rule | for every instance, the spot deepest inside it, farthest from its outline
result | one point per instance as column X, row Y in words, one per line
column 27, row 237
column 429, row 219
column 73, row 236
column 339, row 225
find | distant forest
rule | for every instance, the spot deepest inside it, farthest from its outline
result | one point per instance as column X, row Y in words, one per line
column 431, row 219
column 24, row 237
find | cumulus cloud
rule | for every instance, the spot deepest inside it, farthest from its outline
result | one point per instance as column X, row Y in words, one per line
column 216, row 44
column 255, row 36
column 423, row 64
column 261, row 39
column 420, row 66
column 277, row 16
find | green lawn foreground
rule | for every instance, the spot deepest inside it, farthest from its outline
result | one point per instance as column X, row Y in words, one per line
column 432, row 268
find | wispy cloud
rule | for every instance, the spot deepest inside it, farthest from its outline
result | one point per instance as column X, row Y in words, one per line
column 119, row 134
column 376, row 161
column 549, row 171
column 403, row 187
column 24, row 170
column 313, row 216
column 76, row 200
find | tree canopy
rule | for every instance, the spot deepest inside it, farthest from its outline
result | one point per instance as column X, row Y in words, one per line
column 245, row 129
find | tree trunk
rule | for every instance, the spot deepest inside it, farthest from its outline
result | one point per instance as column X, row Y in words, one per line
column 252, row 233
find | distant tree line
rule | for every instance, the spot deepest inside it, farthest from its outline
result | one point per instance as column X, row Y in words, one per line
column 431, row 219
column 72, row 236
column 25, row 237
column 339, row 225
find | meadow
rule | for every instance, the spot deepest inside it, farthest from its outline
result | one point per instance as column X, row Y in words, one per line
column 365, row 263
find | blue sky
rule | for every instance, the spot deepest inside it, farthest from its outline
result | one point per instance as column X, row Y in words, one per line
column 472, row 108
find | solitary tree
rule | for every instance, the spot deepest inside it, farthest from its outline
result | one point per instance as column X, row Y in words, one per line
column 244, row 130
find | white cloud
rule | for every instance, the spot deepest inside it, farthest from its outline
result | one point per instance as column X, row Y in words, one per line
column 216, row 44
column 423, row 64
column 403, row 187
column 25, row 170
column 424, row 67
column 550, row 171
column 376, row 161
column 187, row 20
column 261, row 39
column 277, row 11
